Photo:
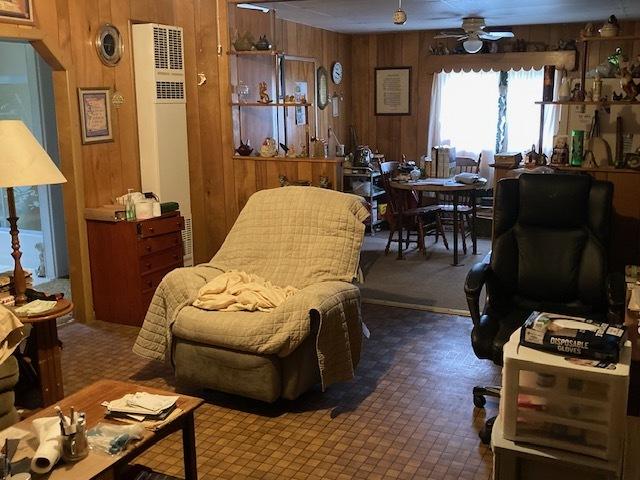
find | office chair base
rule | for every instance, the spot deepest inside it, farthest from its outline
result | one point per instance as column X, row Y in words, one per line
column 485, row 432
column 480, row 394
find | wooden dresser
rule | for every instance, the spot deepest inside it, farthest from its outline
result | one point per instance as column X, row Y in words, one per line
column 128, row 261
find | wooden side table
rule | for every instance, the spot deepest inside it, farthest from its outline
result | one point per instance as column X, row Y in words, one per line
column 45, row 333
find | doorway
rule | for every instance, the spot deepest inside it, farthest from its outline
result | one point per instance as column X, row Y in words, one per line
column 26, row 93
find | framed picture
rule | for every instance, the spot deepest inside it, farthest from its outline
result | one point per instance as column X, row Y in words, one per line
column 393, row 91
column 95, row 115
column 17, row 11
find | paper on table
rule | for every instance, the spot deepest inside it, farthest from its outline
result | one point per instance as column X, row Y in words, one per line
column 13, row 433
column 142, row 403
column 36, row 307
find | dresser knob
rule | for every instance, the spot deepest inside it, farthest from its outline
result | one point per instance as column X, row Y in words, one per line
column 151, row 229
column 148, row 248
column 149, row 283
column 148, row 265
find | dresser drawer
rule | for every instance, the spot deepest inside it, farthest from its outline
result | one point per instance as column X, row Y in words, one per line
column 157, row 261
column 149, row 245
column 150, row 281
column 160, row 226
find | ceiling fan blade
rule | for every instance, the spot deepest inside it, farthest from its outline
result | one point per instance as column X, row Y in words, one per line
column 495, row 35
column 453, row 32
column 458, row 36
column 494, row 29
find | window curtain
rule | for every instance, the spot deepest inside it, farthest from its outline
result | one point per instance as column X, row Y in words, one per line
column 523, row 115
column 464, row 114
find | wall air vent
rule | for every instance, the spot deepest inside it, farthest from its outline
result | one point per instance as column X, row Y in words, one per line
column 175, row 49
column 170, row 90
column 160, row 50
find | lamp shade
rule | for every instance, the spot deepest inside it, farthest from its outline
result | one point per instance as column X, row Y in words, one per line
column 23, row 161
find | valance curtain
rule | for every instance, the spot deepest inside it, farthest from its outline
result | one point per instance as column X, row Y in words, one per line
column 464, row 114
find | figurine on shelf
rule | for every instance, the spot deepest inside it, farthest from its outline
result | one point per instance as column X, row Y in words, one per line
column 243, row 43
column 263, row 43
column 303, row 99
column 264, row 96
column 291, row 152
column 611, row 28
column 303, row 151
column 577, row 95
column 324, row 182
column 244, row 149
column 289, row 99
column 268, row 148
column 629, row 86
column 589, row 30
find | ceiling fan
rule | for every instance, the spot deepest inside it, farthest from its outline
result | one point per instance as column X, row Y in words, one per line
column 474, row 31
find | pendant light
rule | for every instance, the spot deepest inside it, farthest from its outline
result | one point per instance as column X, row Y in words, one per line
column 399, row 16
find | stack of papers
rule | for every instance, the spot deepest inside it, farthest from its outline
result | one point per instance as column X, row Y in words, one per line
column 36, row 307
column 142, row 406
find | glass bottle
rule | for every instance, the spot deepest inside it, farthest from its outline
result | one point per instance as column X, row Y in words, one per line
column 130, row 209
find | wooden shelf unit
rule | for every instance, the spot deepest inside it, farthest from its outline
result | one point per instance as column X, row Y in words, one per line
column 569, row 168
column 602, row 103
column 617, row 38
column 268, row 53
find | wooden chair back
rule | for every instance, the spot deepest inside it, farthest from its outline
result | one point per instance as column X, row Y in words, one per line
column 468, row 165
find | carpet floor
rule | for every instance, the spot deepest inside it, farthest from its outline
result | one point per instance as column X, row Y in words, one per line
column 408, row 414
column 428, row 281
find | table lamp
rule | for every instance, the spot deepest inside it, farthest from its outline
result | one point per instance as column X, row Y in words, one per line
column 23, row 163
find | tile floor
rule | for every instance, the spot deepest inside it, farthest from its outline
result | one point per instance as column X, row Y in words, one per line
column 408, row 414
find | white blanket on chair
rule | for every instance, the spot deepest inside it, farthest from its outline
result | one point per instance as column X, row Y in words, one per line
column 234, row 291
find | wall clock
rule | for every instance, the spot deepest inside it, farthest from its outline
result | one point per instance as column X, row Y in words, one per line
column 336, row 73
column 109, row 44
column 323, row 88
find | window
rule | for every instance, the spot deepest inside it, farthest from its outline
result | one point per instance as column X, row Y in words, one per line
column 485, row 112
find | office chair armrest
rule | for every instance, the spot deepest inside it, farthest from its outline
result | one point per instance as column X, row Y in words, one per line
column 616, row 297
column 476, row 278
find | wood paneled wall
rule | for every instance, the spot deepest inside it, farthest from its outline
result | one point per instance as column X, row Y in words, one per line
column 64, row 34
column 397, row 135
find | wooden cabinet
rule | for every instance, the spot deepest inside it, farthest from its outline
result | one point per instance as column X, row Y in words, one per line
column 128, row 261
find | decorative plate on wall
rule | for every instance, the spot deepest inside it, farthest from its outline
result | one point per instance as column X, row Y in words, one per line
column 109, row 44
column 323, row 88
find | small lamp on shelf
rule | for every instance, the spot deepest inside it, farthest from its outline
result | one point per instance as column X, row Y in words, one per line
column 23, row 163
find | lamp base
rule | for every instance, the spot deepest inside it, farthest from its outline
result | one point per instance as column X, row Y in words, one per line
column 19, row 281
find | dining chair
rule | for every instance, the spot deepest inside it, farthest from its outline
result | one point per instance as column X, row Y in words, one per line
column 465, row 209
column 418, row 220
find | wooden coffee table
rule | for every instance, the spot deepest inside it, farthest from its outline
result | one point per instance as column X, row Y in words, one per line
column 88, row 400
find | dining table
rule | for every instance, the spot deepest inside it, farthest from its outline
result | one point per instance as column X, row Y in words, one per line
column 446, row 186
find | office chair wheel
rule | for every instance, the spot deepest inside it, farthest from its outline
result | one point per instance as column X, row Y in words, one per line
column 485, row 432
column 479, row 400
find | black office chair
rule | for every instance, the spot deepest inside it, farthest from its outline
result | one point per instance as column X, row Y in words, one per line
column 550, row 248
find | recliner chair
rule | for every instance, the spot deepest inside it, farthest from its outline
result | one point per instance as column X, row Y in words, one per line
column 549, row 253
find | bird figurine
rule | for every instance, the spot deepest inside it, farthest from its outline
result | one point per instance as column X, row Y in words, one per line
column 629, row 86
column 264, row 96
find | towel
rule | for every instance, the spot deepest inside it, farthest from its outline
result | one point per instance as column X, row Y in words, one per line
column 234, row 291
column 10, row 333
column 49, row 448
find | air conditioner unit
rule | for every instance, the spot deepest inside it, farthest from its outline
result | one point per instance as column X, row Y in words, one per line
column 162, row 118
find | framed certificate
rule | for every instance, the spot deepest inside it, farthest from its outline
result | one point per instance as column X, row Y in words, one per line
column 393, row 91
column 95, row 115
column 17, row 11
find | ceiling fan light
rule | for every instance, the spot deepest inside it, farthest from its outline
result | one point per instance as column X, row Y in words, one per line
column 472, row 45
column 399, row 17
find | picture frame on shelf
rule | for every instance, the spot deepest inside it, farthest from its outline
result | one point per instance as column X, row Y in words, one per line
column 95, row 115
column 393, row 91
column 17, row 11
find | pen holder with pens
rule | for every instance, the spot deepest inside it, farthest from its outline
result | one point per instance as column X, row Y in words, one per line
column 75, row 446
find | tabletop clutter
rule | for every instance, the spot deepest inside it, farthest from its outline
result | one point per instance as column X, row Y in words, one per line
column 66, row 437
